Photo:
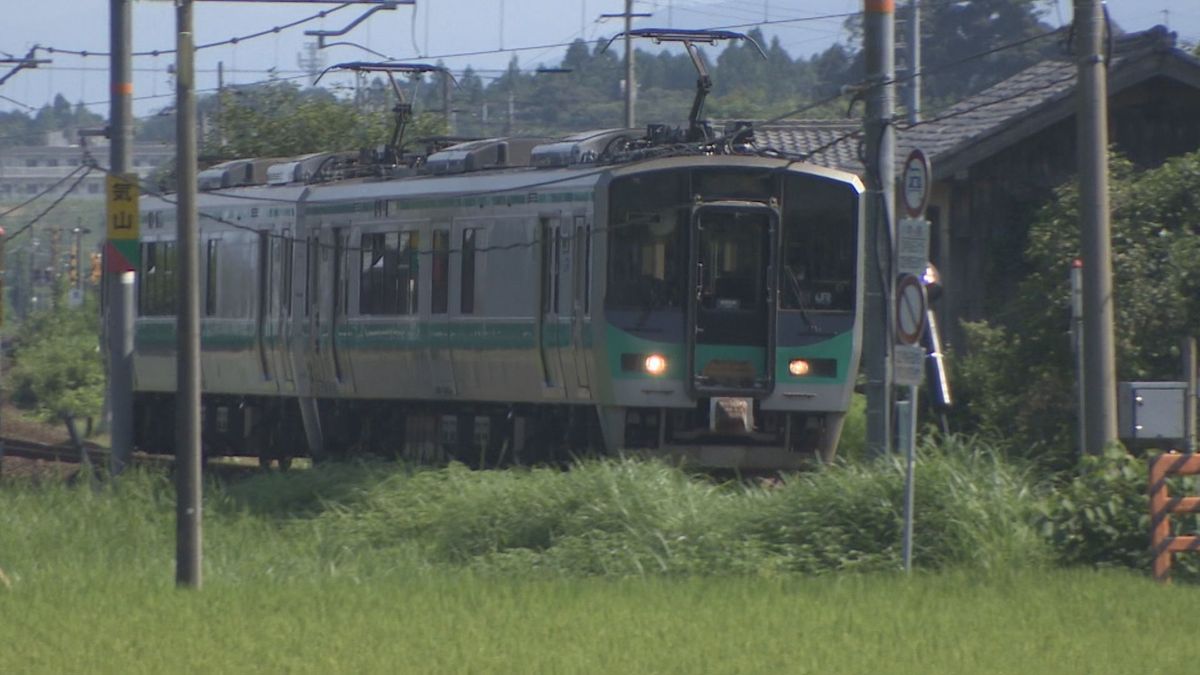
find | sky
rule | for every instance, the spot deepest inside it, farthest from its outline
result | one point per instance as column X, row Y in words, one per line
column 481, row 33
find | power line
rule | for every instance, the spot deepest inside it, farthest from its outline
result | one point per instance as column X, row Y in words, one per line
column 44, row 192
column 220, row 43
column 21, row 230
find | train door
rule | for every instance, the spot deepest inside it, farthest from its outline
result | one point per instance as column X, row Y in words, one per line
column 580, row 306
column 731, row 312
column 262, row 313
column 549, row 287
column 331, row 294
column 282, row 251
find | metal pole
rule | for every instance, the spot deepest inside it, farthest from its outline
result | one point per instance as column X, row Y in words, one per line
column 1077, row 343
column 912, row 100
column 3, row 242
column 119, row 315
column 906, row 412
column 630, row 77
column 188, row 514
column 1098, row 350
column 1189, row 376
column 879, row 47
column 446, row 103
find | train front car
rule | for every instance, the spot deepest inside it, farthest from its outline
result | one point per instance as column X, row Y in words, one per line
column 733, row 304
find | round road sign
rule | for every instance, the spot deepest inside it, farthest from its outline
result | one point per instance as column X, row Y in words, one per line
column 910, row 310
column 915, row 179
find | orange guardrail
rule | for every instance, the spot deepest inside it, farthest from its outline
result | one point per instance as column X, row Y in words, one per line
column 1164, row 544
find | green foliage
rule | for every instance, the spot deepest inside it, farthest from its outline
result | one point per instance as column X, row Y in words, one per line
column 1101, row 517
column 280, row 119
column 1019, row 379
column 58, row 369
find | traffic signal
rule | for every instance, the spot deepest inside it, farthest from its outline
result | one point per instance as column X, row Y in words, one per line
column 95, row 275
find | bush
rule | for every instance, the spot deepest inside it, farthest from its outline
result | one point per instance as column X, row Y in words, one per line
column 1101, row 518
column 58, row 368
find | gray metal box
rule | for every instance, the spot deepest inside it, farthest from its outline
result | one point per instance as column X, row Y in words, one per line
column 1151, row 410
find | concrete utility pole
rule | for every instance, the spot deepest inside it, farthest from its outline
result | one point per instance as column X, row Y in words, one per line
column 188, row 520
column 1099, row 397
column 879, row 46
column 912, row 100
column 119, row 312
column 630, row 73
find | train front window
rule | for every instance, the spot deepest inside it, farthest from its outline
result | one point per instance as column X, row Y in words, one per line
column 647, row 257
column 820, row 242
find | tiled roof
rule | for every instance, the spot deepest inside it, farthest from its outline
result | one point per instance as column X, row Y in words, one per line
column 831, row 143
column 1004, row 105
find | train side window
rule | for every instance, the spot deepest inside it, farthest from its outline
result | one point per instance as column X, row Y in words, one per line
column 440, row 272
column 156, row 287
column 388, row 275
column 583, row 245
column 212, row 277
column 467, row 288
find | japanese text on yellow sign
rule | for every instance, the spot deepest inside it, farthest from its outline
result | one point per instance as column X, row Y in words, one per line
column 122, row 206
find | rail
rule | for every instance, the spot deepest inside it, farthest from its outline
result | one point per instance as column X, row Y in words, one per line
column 17, row 447
column 1163, row 543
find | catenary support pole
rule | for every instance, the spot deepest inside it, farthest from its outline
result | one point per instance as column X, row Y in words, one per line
column 188, row 514
column 912, row 101
column 1188, row 347
column 879, row 47
column 1100, row 405
column 119, row 315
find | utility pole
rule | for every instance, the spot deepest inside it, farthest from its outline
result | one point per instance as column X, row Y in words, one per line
column 912, row 101
column 630, row 73
column 119, row 312
column 1099, row 397
column 55, row 262
column 188, row 514
column 879, row 47
column 446, row 103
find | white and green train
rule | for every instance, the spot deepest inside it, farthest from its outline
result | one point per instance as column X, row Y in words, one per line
column 517, row 300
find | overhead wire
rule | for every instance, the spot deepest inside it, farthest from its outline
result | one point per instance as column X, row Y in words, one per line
column 44, row 192
column 58, row 200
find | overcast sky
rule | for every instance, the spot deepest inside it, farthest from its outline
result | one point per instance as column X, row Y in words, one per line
column 536, row 29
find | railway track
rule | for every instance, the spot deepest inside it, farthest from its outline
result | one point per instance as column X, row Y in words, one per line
column 66, row 454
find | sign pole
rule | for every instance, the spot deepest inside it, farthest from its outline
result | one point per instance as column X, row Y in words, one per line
column 912, row 257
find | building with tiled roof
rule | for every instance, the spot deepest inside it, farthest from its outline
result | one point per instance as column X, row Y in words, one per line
column 998, row 155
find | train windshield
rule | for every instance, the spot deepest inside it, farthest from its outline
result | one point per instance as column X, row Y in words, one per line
column 648, row 256
column 820, row 240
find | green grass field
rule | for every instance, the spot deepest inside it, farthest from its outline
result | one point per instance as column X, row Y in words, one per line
column 613, row 567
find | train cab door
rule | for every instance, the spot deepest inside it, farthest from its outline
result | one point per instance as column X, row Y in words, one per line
column 547, row 330
column 731, row 306
column 581, row 284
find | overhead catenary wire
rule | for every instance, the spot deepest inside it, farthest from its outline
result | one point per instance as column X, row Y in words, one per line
column 58, row 200
column 46, row 191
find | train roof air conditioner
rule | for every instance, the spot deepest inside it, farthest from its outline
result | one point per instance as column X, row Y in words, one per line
column 490, row 153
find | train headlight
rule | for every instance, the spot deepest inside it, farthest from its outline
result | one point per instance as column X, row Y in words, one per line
column 655, row 364
column 799, row 367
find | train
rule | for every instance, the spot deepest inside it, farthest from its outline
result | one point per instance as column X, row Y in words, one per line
column 515, row 300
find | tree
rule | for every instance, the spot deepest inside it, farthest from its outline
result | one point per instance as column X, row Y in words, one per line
column 280, row 119
column 1156, row 280
column 57, row 367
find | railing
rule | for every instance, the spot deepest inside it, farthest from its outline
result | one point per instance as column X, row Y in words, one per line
column 1163, row 544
